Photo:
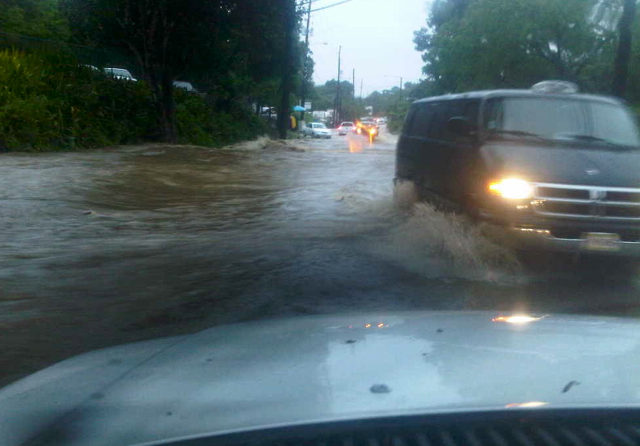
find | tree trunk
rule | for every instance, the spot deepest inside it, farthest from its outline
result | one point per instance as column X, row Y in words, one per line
column 289, row 23
column 621, row 68
column 162, row 92
column 170, row 133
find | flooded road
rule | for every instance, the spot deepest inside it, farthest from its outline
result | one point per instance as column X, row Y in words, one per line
column 111, row 246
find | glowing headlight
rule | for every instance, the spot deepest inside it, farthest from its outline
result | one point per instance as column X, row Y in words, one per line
column 511, row 188
column 372, row 131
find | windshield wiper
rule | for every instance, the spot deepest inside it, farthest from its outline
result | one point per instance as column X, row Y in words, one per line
column 591, row 138
column 521, row 133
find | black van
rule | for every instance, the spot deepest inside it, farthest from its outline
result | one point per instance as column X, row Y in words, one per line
column 549, row 167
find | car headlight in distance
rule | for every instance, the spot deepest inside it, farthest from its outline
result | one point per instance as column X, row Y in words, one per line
column 511, row 188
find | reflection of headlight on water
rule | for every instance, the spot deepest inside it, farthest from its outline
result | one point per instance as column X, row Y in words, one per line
column 529, row 404
column 516, row 319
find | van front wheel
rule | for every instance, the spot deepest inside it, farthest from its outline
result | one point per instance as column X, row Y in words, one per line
column 405, row 194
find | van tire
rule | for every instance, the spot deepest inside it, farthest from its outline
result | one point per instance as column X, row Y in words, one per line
column 405, row 194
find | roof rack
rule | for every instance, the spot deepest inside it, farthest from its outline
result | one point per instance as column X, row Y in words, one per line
column 555, row 87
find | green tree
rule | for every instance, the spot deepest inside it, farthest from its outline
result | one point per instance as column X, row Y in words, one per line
column 514, row 43
column 33, row 18
column 621, row 68
column 232, row 48
column 324, row 98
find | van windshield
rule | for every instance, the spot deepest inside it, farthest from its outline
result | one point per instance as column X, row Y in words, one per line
column 553, row 118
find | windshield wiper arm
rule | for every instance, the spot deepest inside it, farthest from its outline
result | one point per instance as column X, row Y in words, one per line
column 589, row 138
column 519, row 133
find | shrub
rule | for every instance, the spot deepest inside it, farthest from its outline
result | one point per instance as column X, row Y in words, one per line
column 48, row 101
column 200, row 123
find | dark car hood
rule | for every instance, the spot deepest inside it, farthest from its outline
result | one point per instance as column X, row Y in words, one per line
column 316, row 369
column 562, row 164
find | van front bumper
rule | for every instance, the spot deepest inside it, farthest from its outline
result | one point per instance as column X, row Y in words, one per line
column 566, row 236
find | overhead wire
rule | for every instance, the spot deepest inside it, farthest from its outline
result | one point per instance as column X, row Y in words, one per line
column 331, row 6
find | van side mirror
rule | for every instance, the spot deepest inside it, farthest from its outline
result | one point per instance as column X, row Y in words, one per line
column 460, row 126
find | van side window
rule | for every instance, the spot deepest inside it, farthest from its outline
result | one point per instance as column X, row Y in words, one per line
column 406, row 128
column 421, row 121
column 471, row 110
column 439, row 120
column 429, row 120
column 466, row 108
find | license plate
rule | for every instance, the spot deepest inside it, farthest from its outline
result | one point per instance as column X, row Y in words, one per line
column 600, row 241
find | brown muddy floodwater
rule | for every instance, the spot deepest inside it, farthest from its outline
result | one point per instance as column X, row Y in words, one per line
column 110, row 246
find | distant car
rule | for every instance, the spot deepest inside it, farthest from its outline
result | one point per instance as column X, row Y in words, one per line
column 266, row 112
column 381, row 121
column 346, row 127
column 185, row 86
column 120, row 73
column 316, row 130
column 368, row 127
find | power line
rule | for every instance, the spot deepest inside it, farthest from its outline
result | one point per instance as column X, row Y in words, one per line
column 331, row 6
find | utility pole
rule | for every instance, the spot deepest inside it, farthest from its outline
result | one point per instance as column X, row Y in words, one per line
column 305, row 67
column 354, row 84
column 361, row 82
column 336, row 112
column 289, row 24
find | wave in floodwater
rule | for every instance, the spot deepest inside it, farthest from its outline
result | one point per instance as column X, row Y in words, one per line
column 436, row 244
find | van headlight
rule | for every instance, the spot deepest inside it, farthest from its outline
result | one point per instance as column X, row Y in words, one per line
column 511, row 188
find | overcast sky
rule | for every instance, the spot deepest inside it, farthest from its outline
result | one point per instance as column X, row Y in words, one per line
column 376, row 38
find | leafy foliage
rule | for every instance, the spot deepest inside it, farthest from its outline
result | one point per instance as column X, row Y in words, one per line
column 49, row 101
column 35, row 18
column 514, row 43
column 234, row 49
column 200, row 124
column 394, row 103
column 324, row 98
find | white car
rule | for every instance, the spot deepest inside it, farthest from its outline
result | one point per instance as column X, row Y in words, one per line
column 120, row 73
column 346, row 127
column 185, row 86
column 316, row 130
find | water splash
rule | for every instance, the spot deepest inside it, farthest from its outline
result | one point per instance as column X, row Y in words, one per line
column 256, row 144
column 438, row 244
column 405, row 195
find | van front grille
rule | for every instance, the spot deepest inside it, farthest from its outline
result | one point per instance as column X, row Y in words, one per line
column 554, row 192
column 604, row 203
